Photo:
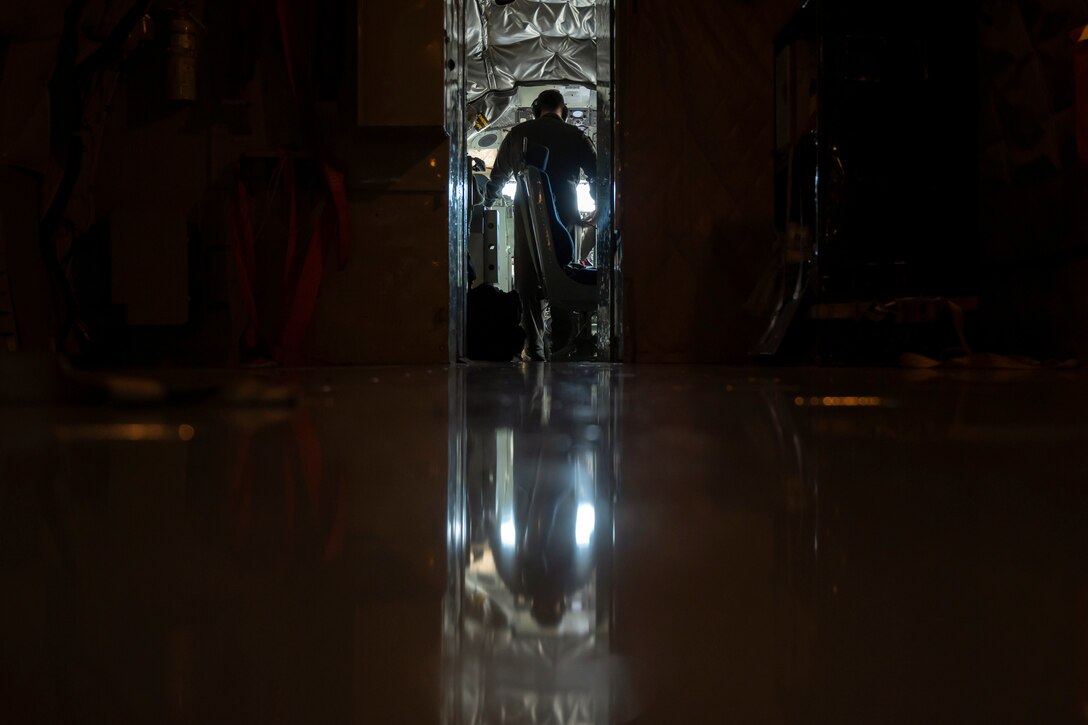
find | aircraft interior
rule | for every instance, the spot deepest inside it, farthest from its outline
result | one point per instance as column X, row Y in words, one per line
column 514, row 52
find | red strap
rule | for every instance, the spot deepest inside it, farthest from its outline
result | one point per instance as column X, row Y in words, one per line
column 297, row 66
column 338, row 532
column 339, row 193
column 242, row 231
column 302, row 438
column 309, row 453
column 287, row 164
column 284, row 12
column 245, row 229
column 302, row 307
column 301, row 279
column 302, row 285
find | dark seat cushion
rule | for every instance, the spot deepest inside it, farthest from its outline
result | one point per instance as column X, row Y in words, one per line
column 563, row 242
column 582, row 275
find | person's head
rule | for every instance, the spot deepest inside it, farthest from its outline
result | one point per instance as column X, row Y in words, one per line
column 550, row 103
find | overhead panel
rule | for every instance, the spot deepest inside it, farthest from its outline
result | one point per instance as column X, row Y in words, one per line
column 529, row 41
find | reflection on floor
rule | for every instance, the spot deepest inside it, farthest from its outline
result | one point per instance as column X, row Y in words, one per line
column 553, row 544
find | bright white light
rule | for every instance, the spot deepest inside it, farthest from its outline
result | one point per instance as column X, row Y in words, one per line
column 510, row 189
column 586, row 205
column 507, row 533
column 584, row 524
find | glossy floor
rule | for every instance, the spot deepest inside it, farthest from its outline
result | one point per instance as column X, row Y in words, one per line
column 560, row 544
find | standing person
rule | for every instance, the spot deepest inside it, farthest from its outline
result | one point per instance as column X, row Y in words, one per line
column 570, row 153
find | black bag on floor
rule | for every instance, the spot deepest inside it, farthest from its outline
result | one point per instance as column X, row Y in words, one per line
column 494, row 324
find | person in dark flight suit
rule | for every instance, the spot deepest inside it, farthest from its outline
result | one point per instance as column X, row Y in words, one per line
column 570, row 153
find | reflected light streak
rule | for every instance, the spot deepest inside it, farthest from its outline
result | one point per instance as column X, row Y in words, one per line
column 584, row 524
column 134, row 432
column 586, row 204
column 837, row 401
column 507, row 533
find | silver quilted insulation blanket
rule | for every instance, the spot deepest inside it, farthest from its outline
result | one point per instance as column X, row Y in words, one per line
column 529, row 41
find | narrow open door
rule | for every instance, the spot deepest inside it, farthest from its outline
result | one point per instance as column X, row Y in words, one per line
column 498, row 59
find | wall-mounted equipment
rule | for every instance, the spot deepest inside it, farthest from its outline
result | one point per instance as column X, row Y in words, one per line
column 183, row 51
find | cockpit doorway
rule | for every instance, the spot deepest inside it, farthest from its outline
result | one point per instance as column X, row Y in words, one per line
column 500, row 57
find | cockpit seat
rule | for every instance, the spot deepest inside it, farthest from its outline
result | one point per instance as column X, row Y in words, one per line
column 566, row 286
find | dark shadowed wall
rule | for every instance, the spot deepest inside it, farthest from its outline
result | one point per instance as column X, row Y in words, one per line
column 695, row 138
column 696, row 110
column 1034, row 198
column 148, row 231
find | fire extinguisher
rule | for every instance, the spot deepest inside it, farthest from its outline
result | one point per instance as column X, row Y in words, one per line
column 182, row 51
column 1080, row 77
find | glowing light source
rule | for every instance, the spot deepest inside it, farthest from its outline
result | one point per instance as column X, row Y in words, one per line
column 584, row 524
column 507, row 533
column 586, row 205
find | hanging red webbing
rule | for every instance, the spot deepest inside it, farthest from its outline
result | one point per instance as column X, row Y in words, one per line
column 302, row 285
column 244, row 257
column 302, row 278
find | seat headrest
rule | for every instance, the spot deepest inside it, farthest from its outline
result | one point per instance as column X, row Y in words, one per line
column 537, row 155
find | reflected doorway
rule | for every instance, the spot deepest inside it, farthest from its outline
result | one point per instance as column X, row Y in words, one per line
column 529, row 607
column 500, row 56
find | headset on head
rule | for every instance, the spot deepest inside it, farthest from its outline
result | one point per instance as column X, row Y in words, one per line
column 537, row 110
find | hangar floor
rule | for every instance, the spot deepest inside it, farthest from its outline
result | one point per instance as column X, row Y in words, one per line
column 377, row 545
